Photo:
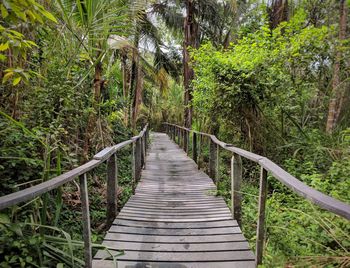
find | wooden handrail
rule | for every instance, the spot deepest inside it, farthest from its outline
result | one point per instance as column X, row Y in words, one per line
column 108, row 154
column 320, row 199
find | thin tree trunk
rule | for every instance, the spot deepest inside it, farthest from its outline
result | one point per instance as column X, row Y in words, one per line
column 137, row 98
column 134, row 77
column 92, row 116
column 190, row 40
column 97, row 82
column 126, row 79
column 336, row 102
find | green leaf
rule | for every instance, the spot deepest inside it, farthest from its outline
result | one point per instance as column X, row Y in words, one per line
column 6, row 77
column 16, row 81
column 4, row 46
column 4, row 12
column 49, row 15
column 16, row 228
column 4, row 218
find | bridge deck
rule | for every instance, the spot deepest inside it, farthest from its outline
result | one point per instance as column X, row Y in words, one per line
column 173, row 220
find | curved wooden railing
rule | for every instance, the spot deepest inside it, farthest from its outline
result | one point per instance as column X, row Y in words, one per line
column 181, row 135
column 109, row 154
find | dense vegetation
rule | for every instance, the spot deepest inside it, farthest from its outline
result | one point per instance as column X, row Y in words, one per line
column 77, row 76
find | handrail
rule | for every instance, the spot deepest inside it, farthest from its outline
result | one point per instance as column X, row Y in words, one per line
column 108, row 154
column 322, row 200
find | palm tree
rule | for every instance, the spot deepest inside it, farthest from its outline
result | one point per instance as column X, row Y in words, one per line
column 145, row 31
column 92, row 22
column 197, row 21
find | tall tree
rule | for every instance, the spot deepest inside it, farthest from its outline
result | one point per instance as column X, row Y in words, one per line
column 199, row 16
column 336, row 102
column 93, row 22
column 191, row 39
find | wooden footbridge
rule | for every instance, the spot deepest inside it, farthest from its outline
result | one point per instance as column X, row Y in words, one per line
column 174, row 219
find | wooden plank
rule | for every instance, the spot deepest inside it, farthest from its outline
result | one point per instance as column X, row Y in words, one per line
column 104, row 154
column 171, row 219
column 176, row 209
column 174, row 232
column 170, row 203
column 180, row 256
column 139, row 264
column 174, row 213
column 173, row 207
column 184, row 247
column 171, row 225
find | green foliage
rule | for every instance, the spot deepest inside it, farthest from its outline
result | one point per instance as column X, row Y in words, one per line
column 13, row 44
column 266, row 92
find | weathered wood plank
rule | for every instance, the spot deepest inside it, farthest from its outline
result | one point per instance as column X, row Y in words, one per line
column 180, row 256
column 171, row 225
column 184, row 247
column 139, row 264
column 174, row 232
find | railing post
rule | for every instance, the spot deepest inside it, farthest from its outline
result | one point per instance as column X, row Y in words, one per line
column 180, row 137
column 142, row 151
column 194, row 147
column 217, row 166
column 188, row 141
column 260, row 232
column 146, row 139
column 144, row 146
column 200, row 150
column 112, row 186
column 86, row 220
column 185, row 143
column 138, row 159
column 213, row 163
column 133, row 166
column 236, row 180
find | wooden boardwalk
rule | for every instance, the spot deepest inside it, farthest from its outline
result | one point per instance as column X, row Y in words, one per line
column 174, row 220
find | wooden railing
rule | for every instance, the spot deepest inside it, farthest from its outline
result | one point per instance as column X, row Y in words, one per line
column 109, row 154
column 181, row 135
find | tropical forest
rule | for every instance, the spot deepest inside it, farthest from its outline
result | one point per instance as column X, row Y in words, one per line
column 86, row 81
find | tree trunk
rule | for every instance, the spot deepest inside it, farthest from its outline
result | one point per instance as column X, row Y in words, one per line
column 134, row 78
column 336, row 102
column 190, row 40
column 138, row 98
column 97, row 82
column 92, row 116
column 126, row 79
column 278, row 12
